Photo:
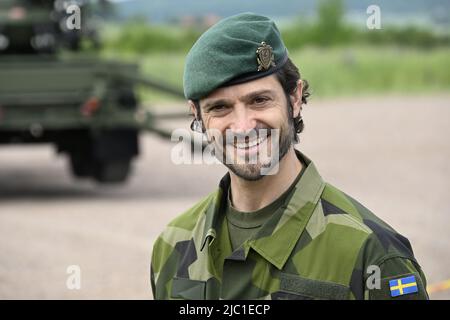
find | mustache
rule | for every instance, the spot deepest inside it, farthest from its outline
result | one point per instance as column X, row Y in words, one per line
column 256, row 132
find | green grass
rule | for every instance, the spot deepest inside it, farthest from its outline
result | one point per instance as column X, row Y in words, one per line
column 361, row 71
column 336, row 71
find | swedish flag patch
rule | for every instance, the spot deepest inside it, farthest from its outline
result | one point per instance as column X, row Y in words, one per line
column 403, row 286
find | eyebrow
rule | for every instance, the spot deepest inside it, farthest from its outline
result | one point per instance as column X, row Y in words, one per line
column 247, row 97
column 252, row 95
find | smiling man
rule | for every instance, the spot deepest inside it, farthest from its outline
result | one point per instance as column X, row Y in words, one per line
column 273, row 229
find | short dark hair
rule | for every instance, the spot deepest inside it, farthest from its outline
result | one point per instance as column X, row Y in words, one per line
column 288, row 76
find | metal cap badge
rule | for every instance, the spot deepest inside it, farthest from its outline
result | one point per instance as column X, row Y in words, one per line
column 264, row 56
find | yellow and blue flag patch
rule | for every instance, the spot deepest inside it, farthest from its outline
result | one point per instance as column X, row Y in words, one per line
column 403, row 286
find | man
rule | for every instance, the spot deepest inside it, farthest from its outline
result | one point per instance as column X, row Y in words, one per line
column 270, row 231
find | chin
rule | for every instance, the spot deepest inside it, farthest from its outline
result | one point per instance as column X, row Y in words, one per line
column 249, row 172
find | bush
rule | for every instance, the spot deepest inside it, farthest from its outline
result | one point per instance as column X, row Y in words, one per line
column 139, row 37
column 329, row 29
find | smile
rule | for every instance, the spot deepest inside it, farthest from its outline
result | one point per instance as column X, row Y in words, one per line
column 250, row 144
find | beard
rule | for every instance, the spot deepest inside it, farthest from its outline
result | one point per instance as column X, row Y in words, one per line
column 256, row 167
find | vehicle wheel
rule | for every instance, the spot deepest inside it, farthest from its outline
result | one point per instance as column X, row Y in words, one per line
column 81, row 167
column 127, row 98
column 112, row 171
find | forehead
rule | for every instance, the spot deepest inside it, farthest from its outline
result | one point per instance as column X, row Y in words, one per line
column 269, row 83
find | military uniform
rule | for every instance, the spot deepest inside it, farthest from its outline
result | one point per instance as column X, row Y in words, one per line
column 320, row 244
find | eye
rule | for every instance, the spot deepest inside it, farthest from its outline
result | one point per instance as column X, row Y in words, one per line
column 218, row 109
column 260, row 100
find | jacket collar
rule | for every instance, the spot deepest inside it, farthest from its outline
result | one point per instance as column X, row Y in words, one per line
column 284, row 227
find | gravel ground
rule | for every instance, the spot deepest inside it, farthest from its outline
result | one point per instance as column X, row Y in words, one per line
column 391, row 153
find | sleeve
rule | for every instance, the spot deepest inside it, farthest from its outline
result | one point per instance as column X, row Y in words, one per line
column 386, row 269
column 399, row 278
column 155, row 269
column 162, row 269
column 152, row 281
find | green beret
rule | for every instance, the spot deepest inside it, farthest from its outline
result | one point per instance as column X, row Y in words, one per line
column 237, row 49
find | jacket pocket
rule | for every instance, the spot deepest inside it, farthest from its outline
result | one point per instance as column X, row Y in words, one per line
column 296, row 287
column 188, row 289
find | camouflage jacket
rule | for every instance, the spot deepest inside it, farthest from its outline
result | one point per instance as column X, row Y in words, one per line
column 321, row 244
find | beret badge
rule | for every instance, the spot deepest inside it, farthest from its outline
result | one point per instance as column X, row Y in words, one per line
column 264, row 57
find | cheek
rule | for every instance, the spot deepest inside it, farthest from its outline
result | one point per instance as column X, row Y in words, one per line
column 274, row 117
column 208, row 121
column 213, row 123
column 215, row 127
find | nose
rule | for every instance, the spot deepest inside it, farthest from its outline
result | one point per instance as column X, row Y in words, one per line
column 243, row 120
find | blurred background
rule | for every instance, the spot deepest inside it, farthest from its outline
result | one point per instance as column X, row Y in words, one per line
column 73, row 191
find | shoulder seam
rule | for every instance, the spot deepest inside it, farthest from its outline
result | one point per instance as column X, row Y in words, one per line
column 348, row 216
column 394, row 255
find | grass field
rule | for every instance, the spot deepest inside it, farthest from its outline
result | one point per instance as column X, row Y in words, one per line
column 331, row 72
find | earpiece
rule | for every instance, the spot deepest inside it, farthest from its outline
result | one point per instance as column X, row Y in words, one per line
column 197, row 126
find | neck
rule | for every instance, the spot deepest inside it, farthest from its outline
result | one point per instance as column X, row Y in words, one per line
column 250, row 196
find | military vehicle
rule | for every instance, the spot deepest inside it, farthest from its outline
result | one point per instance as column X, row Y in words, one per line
column 50, row 93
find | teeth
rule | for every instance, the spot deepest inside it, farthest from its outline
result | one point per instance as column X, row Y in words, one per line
column 243, row 145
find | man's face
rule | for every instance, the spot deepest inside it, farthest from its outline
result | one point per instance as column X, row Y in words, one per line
column 240, row 120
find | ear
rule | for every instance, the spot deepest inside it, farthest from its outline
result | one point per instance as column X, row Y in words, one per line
column 193, row 108
column 296, row 99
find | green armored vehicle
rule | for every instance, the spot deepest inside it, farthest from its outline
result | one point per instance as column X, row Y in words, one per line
column 86, row 107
